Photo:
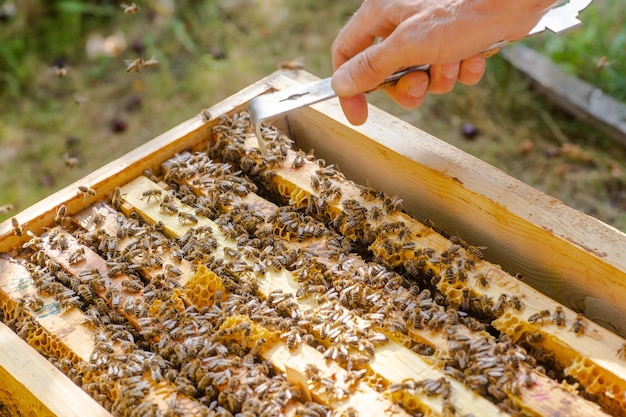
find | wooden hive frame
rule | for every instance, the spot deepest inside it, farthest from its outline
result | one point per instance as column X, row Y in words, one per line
column 572, row 257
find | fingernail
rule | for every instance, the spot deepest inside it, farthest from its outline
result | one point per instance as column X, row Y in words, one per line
column 476, row 66
column 450, row 70
column 342, row 83
column 418, row 89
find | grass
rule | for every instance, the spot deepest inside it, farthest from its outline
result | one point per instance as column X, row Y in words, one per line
column 595, row 52
column 208, row 50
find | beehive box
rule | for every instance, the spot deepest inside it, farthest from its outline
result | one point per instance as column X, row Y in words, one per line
column 386, row 274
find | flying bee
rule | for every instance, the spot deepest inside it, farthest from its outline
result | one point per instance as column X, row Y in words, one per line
column 153, row 192
column 17, row 229
column 129, row 10
column 60, row 70
column 540, row 315
column 152, row 62
column 559, row 316
column 4, row 209
column 133, row 65
column 579, row 324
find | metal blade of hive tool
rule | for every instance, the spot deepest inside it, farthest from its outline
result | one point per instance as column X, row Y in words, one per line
column 562, row 17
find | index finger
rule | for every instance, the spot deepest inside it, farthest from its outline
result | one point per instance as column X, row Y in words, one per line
column 359, row 33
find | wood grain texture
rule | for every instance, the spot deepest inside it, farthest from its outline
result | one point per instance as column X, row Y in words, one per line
column 35, row 387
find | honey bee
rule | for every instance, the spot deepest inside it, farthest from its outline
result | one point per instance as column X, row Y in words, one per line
column 62, row 241
column 4, row 209
column 172, row 270
column 134, row 65
column 168, row 208
column 498, row 308
column 85, row 292
column 148, row 63
column 535, row 337
column 292, row 64
column 465, row 299
column 116, row 200
column 315, row 182
column 34, row 303
column 392, row 204
column 540, row 315
column 476, row 251
column 132, row 285
column 559, row 316
column 153, row 192
column 450, row 276
column 293, row 338
column 206, row 115
column 185, row 217
column 516, row 303
column 61, row 70
column 298, row 160
column 17, row 229
column 482, row 281
column 130, row 9
column 77, row 255
column 579, row 324
column 621, row 352
column 86, row 191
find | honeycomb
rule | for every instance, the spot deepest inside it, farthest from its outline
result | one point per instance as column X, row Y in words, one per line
column 238, row 283
column 205, row 288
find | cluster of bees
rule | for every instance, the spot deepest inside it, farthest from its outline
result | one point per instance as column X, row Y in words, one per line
column 369, row 286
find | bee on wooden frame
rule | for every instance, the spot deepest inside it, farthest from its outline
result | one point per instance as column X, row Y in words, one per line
column 559, row 316
column 579, row 324
column 540, row 315
column 86, row 191
column 17, row 229
column 150, row 193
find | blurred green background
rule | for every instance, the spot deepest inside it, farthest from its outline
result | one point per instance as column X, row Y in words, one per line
column 68, row 105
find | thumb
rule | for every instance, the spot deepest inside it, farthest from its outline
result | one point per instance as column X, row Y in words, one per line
column 365, row 70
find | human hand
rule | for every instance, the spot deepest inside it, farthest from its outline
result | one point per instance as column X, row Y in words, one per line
column 451, row 30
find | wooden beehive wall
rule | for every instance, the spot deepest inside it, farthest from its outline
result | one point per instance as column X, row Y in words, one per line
column 196, row 276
